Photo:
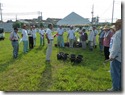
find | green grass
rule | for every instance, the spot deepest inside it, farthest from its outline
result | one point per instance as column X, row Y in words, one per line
column 29, row 72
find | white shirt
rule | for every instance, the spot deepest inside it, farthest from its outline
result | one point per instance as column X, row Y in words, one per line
column 34, row 33
column 41, row 32
column 30, row 33
column 91, row 36
column 71, row 34
column 25, row 35
column 49, row 34
column 60, row 31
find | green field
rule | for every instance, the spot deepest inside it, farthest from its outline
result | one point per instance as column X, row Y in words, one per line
column 29, row 72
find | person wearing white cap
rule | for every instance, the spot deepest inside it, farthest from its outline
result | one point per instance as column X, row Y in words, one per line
column 115, row 58
column 25, row 39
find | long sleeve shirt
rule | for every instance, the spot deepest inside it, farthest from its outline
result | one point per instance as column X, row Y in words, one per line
column 116, row 47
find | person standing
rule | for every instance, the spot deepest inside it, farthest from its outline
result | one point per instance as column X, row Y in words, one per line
column 91, row 39
column 30, row 34
column 83, row 38
column 115, row 57
column 25, row 38
column 49, row 38
column 42, row 32
column 14, row 37
column 106, row 41
column 101, row 37
column 34, row 36
column 71, row 36
column 95, row 33
column 60, row 40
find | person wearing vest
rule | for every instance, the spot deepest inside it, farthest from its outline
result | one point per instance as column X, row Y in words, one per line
column 14, row 37
column 106, row 41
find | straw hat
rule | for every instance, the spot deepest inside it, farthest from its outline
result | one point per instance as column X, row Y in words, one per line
column 118, row 22
column 106, row 27
column 112, row 27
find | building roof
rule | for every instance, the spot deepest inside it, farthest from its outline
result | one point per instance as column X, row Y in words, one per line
column 73, row 19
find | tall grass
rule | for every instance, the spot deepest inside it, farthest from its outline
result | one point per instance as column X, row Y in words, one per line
column 29, row 72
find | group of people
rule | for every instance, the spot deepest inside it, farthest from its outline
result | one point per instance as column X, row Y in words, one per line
column 109, row 41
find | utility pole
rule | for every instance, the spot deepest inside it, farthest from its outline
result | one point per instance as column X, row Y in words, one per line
column 1, row 11
column 92, row 13
column 113, row 10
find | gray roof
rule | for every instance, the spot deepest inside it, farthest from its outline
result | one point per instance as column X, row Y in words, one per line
column 73, row 19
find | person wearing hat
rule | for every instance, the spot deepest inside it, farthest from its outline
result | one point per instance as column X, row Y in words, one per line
column 115, row 57
column 106, row 41
column 101, row 37
column 25, row 38
column 60, row 40
column 14, row 37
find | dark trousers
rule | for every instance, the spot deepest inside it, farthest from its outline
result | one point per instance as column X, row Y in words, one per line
column 30, row 42
column 106, row 52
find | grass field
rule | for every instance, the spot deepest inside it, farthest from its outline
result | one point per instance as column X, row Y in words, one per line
column 29, row 72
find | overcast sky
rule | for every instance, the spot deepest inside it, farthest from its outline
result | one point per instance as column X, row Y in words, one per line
column 61, row 8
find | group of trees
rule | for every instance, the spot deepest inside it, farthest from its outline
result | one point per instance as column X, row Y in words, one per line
column 19, row 24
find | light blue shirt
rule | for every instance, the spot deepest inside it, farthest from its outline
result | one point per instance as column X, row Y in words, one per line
column 116, row 47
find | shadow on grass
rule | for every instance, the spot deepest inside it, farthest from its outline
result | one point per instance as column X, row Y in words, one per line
column 9, row 62
column 46, row 78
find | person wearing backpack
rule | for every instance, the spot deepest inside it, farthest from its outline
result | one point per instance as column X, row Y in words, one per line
column 14, row 37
